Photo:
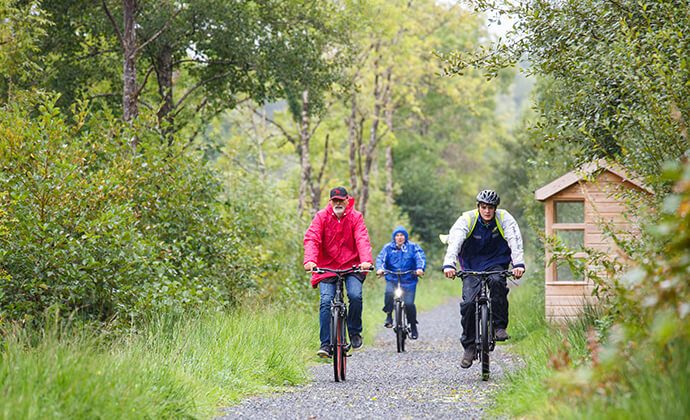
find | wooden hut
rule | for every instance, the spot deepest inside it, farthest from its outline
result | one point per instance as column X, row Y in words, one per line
column 577, row 206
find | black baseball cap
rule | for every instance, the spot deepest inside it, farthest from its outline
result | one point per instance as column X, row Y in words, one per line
column 339, row 193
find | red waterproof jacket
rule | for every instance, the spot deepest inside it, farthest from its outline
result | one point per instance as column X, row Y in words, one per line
column 336, row 244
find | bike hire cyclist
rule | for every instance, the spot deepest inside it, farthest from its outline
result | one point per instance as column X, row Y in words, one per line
column 338, row 239
column 401, row 255
column 485, row 239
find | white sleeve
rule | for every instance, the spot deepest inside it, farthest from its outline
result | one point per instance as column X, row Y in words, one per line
column 456, row 237
column 514, row 238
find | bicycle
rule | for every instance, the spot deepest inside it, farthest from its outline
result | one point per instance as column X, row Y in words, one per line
column 339, row 342
column 485, row 338
column 400, row 326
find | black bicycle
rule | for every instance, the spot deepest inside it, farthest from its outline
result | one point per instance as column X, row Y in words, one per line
column 400, row 326
column 485, row 338
column 339, row 342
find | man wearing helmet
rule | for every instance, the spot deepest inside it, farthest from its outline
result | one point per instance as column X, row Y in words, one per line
column 485, row 239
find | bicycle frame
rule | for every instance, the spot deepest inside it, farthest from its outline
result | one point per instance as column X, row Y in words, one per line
column 485, row 338
column 401, row 327
column 338, row 328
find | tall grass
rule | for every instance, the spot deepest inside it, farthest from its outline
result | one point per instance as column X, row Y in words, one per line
column 647, row 390
column 181, row 368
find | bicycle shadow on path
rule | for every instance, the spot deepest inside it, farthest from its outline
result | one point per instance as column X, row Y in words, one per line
column 426, row 381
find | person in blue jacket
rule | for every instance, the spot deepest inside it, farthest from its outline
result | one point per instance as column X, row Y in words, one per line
column 401, row 255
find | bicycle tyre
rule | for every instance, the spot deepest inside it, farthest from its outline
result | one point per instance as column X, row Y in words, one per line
column 337, row 346
column 343, row 359
column 399, row 327
column 485, row 342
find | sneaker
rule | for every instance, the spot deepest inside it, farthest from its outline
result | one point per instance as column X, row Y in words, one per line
column 414, row 334
column 356, row 341
column 501, row 334
column 324, row 352
column 388, row 323
column 468, row 357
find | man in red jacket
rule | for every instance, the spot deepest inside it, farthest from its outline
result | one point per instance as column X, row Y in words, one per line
column 338, row 239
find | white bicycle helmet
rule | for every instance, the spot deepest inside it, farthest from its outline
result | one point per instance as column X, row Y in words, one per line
column 489, row 197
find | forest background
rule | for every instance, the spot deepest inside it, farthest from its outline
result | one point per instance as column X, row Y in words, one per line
column 159, row 163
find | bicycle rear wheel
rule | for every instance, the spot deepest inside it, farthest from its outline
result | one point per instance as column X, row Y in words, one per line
column 485, row 341
column 400, row 333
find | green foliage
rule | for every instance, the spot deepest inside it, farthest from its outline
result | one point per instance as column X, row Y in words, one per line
column 93, row 229
column 441, row 134
column 619, row 72
column 219, row 53
column 260, row 214
column 20, row 33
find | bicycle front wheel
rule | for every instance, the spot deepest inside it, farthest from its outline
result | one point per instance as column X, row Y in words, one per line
column 400, row 333
column 485, row 338
column 339, row 356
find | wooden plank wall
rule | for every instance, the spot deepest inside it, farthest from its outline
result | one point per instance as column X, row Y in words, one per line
column 602, row 203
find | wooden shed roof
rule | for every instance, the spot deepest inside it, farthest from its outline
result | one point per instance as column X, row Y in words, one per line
column 584, row 172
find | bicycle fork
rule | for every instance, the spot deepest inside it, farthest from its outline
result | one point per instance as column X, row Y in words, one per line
column 338, row 312
column 482, row 299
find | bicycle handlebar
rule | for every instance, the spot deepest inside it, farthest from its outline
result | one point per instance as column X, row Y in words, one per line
column 354, row 269
column 463, row 274
column 399, row 273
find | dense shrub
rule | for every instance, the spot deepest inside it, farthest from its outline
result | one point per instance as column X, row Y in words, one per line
column 93, row 228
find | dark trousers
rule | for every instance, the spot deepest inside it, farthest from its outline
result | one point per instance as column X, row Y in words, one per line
column 408, row 298
column 471, row 286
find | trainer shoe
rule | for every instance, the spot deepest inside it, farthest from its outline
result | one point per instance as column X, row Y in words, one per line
column 501, row 334
column 356, row 341
column 388, row 323
column 468, row 357
column 324, row 352
column 414, row 334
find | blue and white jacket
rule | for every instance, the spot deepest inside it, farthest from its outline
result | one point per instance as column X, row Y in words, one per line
column 409, row 256
column 479, row 246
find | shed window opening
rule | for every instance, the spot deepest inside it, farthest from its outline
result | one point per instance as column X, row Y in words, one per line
column 573, row 239
column 564, row 272
column 570, row 211
column 568, row 225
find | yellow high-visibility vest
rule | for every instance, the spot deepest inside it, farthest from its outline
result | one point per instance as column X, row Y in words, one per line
column 473, row 215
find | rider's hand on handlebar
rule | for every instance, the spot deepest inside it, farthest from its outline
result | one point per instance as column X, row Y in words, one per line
column 449, row 272
column 518, row 272
column 310, row 266
column 419, row 272
column 379, row 273
column 366, row 266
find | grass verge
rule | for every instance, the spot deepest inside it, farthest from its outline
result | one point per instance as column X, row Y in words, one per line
column 557, row 379
column 181, row 367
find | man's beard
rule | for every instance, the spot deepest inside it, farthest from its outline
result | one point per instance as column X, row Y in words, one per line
column 339, row 210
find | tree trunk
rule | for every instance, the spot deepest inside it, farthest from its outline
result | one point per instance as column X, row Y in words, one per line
column 129, row 46
column 164, row 74
column 389, row 152
column 305, row 164
column 317, row 185
column 389, row 176
column 352, row 132
column 381, row 96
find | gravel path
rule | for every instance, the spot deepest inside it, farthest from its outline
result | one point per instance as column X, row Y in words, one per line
column 424, row 382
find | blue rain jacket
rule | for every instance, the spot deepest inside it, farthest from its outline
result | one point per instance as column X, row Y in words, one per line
column 409, row 256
